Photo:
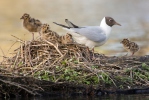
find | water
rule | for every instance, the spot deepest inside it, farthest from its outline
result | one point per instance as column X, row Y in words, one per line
column 106, row 97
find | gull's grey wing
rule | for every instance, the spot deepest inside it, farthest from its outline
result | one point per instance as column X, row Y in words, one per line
column 94, row 33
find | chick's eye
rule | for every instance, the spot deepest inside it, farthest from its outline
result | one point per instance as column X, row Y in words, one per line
column 26, row 16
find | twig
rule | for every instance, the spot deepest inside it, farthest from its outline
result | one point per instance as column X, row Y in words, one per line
column 12, row 45
column 3, row 52
column 16, row 59
column 18, row 38
column 54, row 47
column 58, row 59
column 40, row 63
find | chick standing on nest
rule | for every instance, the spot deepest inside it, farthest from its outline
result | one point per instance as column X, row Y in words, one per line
column 130, row 46
column 47, row 34
column 31, row 24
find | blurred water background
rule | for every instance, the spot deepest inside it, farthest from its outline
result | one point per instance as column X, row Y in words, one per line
column 106, row 97
column 133, row 15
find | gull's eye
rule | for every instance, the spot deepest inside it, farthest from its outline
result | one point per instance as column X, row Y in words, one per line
column 110, row 20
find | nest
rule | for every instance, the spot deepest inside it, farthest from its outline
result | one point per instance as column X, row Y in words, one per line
column 56, row 62
column 44, row 55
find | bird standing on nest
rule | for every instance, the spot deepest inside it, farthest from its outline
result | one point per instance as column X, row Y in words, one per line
column 91, row 36
column 31, row 24
column 130, row 46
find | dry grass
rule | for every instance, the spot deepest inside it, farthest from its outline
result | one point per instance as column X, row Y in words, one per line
column 63, row 63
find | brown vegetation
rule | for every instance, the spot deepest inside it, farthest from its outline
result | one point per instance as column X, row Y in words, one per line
column 43, row 66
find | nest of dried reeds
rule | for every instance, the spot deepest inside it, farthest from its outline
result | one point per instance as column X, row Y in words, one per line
column 59, row 63
column 42, row 54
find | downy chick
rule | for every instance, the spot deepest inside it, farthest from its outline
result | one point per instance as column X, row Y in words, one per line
column 31, row 24
column 66, row 39
column 48, row 34
column 131, row 47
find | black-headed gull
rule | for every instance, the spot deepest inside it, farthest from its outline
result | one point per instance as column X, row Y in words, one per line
column 91, row 36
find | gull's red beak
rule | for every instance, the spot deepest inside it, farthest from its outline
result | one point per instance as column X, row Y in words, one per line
column 117, row 24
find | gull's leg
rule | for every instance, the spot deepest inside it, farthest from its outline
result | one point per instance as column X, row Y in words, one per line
column 88, row 49
column 93, row 53
column 126, row 54
column 89, row 52
column 93, row 50
column 132, row 53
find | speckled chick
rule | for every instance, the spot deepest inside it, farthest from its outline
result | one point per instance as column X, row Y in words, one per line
column 126, row 44
column 31, row 24
column 45, row 28
column 66, row 39
column 134, row 47
column 130, row 46
column 48, row 34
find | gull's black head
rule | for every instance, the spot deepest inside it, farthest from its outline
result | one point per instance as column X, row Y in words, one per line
column 110, row 21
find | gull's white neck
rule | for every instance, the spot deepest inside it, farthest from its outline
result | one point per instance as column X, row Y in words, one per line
column 105, row 27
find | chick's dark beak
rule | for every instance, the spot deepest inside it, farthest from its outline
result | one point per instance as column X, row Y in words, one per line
column 21, row 17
